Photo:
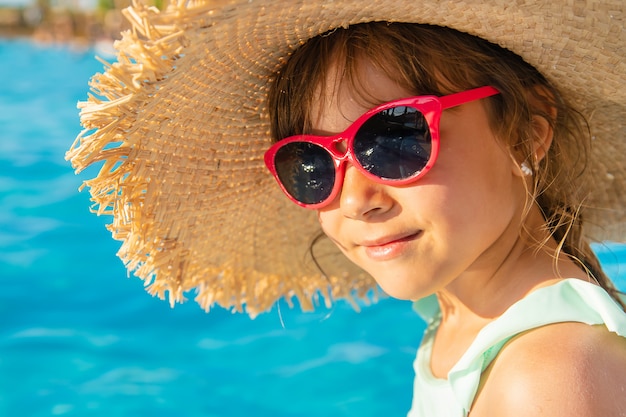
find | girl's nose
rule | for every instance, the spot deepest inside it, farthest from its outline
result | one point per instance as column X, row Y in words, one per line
column 361, row 197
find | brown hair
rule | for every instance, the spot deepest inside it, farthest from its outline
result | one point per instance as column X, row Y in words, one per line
column 435, row 60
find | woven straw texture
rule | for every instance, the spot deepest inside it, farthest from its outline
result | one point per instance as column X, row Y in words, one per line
column 180, row 125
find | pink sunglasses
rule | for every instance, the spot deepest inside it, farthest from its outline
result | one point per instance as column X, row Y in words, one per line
column 394, row 143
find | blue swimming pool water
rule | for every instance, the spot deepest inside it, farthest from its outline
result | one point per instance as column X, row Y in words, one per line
column 77, row 338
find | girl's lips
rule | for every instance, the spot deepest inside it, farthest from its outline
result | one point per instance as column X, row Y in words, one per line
column 390, row 247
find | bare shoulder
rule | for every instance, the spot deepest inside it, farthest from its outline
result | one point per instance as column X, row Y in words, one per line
column 563, row 369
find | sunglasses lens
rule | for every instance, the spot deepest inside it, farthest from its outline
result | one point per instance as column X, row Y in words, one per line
column 394, row 144
column 306, row 171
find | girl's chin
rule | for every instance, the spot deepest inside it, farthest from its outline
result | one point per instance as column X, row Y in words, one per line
column 404, row 292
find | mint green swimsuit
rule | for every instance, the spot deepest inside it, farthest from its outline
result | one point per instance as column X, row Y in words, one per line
column 570, row 300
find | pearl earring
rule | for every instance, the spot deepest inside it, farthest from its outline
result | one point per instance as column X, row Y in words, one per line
column 526, row 169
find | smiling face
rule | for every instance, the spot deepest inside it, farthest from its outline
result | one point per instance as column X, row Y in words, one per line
column 459, row 221
column 460, row 224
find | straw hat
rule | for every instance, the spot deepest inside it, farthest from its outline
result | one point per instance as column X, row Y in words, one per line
column 180, row 124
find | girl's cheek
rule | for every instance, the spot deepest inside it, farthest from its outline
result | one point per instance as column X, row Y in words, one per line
column 324, row 221
column 327, row 216
column 330, row 222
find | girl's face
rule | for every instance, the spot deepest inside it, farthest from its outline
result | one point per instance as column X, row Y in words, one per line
column 453, row 225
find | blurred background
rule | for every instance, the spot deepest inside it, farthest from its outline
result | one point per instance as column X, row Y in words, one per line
column 80, row 338
column 79, row 22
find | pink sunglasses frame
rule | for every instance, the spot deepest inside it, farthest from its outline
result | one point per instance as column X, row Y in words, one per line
column 430, row 106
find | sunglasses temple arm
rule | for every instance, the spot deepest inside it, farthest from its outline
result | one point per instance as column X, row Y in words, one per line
column 456, row 99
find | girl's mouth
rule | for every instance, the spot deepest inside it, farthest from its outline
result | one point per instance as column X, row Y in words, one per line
column 389, row 247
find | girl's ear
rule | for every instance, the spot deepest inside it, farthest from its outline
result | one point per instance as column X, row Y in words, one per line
column 544, row 115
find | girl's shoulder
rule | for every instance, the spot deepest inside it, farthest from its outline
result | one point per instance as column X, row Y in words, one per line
column 564, row 368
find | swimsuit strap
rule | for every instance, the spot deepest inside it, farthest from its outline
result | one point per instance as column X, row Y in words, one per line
column 570, row 300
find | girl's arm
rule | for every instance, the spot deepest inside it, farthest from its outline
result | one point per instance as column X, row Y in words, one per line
column 565, row 369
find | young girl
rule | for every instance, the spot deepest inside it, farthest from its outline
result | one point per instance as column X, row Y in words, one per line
column 478, row 207
column 446, row 167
